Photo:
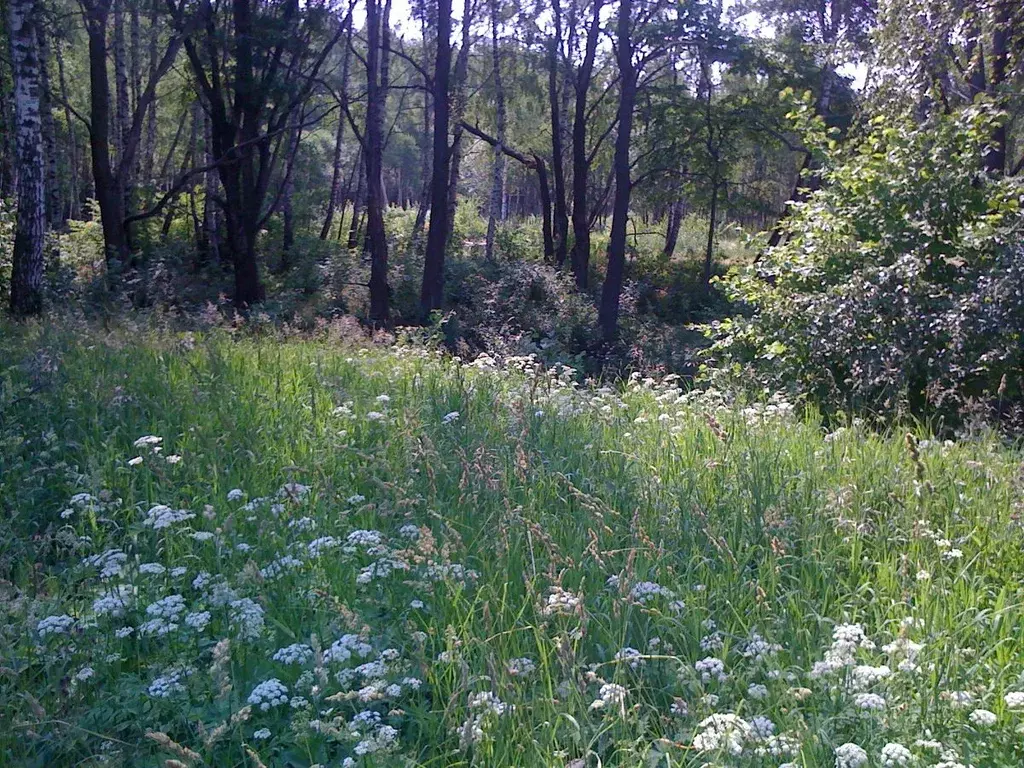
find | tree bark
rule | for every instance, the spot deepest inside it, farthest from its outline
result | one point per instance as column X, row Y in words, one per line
column 580, row 163
column 494, row 212
column 109, row 195
column 30, row 229
column 673, row 223
column 459, row 103
column 337, row 170
column 376, row 95
column 561, row 221
column 611, row 292
column 73, row 210
column 432, row 289
column 54, row 208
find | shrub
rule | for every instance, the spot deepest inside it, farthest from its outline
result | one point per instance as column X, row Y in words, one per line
column 898, row 290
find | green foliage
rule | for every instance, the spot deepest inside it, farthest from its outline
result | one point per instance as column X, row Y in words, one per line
column 898, row 288
column 619, row 536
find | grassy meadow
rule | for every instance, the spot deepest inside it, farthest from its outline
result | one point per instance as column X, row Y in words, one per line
column 244, row 552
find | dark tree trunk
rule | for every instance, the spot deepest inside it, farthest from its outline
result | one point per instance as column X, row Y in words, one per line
column 149, row 148
column 494, row 209
column 580, row 162
column 673, row 223
column 709, row 250
column 30, row 229
column 432, row 290
column 460, row 100
column 357, row 203
column 545, row 208
column 109, row 194
column 423, row 204
column 611, row 292
column 54, row 208
column 376, row 95
column 561, row 222
column 337, row 171
column 72, row 211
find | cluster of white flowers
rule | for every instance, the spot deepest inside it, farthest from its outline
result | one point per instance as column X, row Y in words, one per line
column 167, row 685
column 55, row 625
column 521, row 667
column 561, row 603
column 645, row 591
column 631, row 656
column 109, row 564
column 611, row 694
column 345, row 648
column 846, row 640
column 983, row 718
column 197, row 620
column 710, row 669
column 725, row 731
column 869, row 701
column 162, row 516
column 895, row 755
column 246, row 618
column 296, row 653
column 164, row 615
column 279, row 566
column 114, row 602
column 269, row 693
column 850, row 755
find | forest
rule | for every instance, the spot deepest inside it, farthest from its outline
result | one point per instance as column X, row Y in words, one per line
column 817, row 196
column 556, row 383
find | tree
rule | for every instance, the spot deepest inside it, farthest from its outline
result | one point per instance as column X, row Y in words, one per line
column 27, row 268
column 432, row 291
column 109, row 176
column 275, row 55
column 611, row 291
column 494, row 209
column 581, row 158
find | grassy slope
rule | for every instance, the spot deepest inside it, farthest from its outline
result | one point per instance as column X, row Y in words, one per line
column 753, row 520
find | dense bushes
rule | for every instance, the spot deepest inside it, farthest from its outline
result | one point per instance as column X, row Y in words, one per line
column 900, row 288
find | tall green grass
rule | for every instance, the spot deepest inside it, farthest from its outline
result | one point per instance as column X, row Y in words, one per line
column 757, row 522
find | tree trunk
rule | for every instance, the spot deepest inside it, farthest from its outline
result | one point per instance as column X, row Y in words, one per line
column 54, row 209
column 432, row 289
column 149, row 148
column 709, row 250
column 337, row 174
column 498, row 181
column 673, row 223
column 73, row 160
column 611, row 292
column 545, row 208
column 580, row 164
column 459, row 103
column 561, row 222
column 376, row 94
column 27, row 266
column 357, row 203
column 123, row 110
column 109, row 195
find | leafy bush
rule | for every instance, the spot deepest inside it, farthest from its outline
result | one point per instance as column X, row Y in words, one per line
column 899, row 288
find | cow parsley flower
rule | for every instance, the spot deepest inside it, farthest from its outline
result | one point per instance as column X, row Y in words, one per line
column 161, row 516
column 983, row 718
column 711, row 668
column 269, row 693
column 246, row 618
column 296, row 653
column 895, row 755
column 850, row 756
